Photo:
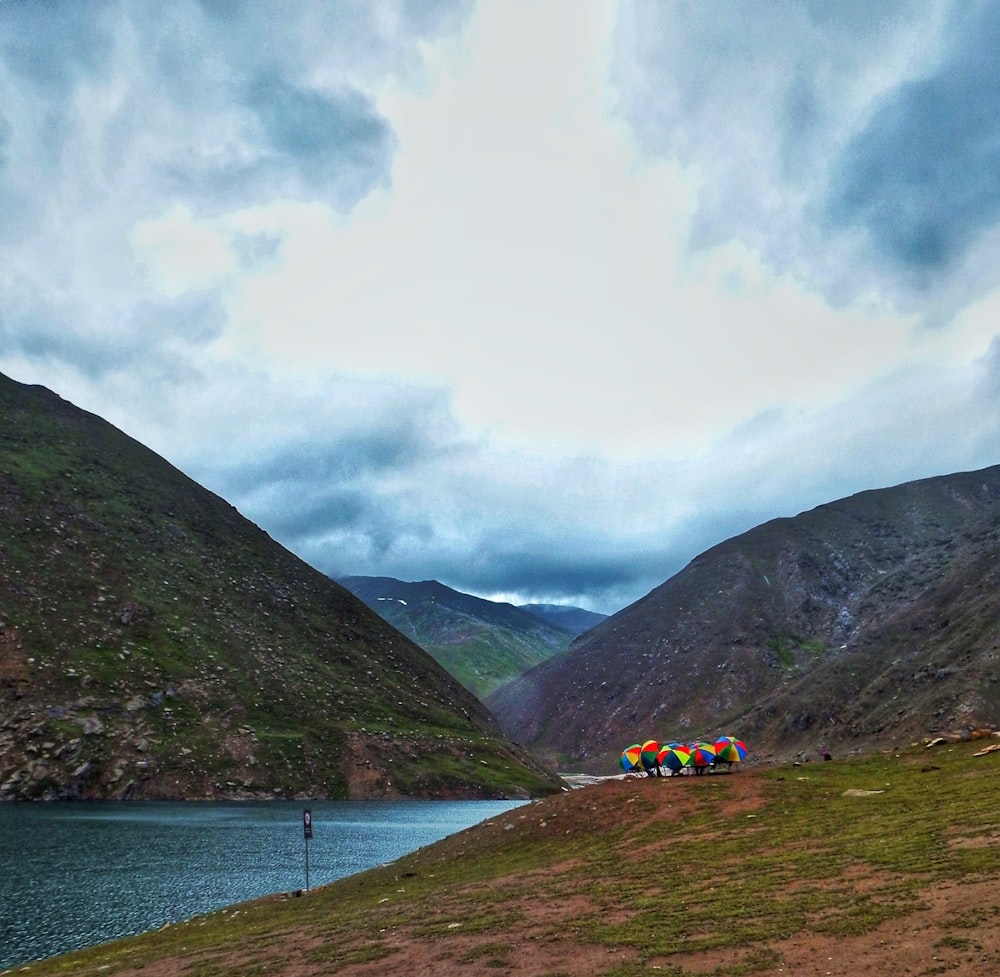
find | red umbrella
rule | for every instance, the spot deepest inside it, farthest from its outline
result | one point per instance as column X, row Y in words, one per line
column 630, row 757
column 730, row 749
column 675, row 757
column 702, row 756
column 650, row 751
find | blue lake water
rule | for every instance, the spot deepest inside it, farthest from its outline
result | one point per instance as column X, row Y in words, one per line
column 72, row 875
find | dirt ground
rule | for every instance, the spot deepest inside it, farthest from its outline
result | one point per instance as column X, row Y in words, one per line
column 540, row 943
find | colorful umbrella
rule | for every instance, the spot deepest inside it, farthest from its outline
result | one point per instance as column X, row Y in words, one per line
column 630, row 757
column 674, row 757
column 730, row 749
column 702, row 755
column 650, row 751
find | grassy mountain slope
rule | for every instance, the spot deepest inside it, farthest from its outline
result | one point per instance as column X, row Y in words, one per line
column 154, row 643
column 883, row 865
column 871, row 618
column 482, row 643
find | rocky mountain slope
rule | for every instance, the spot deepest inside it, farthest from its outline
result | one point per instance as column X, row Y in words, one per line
column 154, row 643
column 864, row 622
column 483, row 643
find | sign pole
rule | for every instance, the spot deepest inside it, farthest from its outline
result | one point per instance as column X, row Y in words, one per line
column 307, row 832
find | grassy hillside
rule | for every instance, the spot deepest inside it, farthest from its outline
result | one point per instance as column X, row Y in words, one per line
column 883, row 864
column 154, row 643
column 483, row 643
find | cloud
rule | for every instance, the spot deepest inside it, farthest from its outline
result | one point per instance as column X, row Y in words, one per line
column 922, row 177
column 334, row 139
column 420, row 499
column 180, row 253
column 149, row 340
column 533, row 527
column 129, row 136
column 851, row 145
column 539, row 300
column 50, row 45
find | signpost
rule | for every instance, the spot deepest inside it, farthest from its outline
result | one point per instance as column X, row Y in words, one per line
column 307, row 832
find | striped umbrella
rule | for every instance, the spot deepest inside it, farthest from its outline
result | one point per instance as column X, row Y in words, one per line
column 650, row 751
column 730, row 749
column 702, row 756
column 630, row 757
column 675, row 756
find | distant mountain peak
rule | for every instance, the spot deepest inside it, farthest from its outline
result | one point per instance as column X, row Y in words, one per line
column 483, row 643
column 576, row 620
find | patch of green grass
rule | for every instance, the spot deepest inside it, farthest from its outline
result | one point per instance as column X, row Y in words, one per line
column 782, row 645
column 969, row 920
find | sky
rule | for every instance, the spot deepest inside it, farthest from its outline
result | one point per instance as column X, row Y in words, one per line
column 537, row 298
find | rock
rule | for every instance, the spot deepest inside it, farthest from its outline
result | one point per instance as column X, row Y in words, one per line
column 70, row 750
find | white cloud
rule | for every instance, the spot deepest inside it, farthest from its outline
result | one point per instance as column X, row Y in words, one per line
column 180, row 253
column 529, row 257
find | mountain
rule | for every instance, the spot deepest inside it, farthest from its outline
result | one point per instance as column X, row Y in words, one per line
column 862, row 623
column 576, row 620
column 482, row 643
column 156, row 644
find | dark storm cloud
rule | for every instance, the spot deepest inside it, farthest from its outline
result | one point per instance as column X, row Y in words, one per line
column 298, row 512
column 50, row 44
column 113, row 113
column 339, row 469
column 146, row 340
column 197, row 105
column 317, row 485
column 560, row 568
column 344, row 446
column 853, row 146
column 270, row 131
column 923, row 176
column 337, row 141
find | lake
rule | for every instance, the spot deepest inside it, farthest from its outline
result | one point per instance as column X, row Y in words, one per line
column 72, row 875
